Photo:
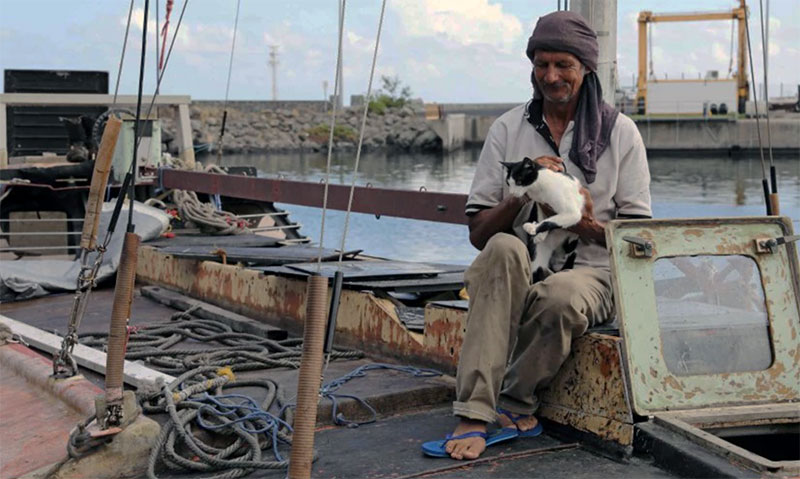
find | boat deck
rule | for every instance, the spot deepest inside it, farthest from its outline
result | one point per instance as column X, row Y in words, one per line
column 410, row 411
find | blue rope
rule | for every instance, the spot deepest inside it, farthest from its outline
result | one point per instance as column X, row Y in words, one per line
column 328, row 390
column 243, row 412
column 242, row 415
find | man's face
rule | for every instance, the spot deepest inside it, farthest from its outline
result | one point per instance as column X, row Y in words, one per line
column 559, row 75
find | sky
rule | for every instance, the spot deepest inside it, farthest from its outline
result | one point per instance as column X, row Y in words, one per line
column 444, row 50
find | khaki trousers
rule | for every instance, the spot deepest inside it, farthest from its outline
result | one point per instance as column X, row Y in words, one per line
column 519, row 334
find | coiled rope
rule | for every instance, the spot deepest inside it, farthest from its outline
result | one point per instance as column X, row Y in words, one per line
column 240, row 351
column 197, row 400
column 242, row 429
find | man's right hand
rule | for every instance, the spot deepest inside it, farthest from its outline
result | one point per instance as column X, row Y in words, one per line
column 551, row 163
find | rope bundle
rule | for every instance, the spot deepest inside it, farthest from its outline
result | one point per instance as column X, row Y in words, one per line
column 240, row 351
column 207, row 216
column 195, row 401
column 241, row 434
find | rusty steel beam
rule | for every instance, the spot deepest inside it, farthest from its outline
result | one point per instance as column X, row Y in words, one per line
column 419, row 205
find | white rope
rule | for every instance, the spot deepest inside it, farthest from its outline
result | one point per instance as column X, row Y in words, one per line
column 206, row 215
column 122, row 56
column 336, row 92
column 361, row 133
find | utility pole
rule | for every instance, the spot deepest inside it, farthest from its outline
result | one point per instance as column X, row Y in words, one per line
column 273, row 63
column 602, row 17
column 325, row 93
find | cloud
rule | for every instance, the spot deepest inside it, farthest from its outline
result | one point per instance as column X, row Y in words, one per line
column 463, row 22
column 719, row 52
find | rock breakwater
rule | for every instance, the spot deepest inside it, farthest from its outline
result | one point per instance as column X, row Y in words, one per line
column 250, row 130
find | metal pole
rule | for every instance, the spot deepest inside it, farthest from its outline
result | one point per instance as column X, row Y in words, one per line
column 273, row 63
column 602, row 16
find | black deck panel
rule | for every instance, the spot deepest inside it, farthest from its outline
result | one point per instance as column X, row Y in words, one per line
column 260, row 256
column 455, row 304
column 237, row 241
column 441, row 282
column 379, row 270
column 412, row 318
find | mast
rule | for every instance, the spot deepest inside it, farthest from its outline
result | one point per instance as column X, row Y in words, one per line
column 602, row 17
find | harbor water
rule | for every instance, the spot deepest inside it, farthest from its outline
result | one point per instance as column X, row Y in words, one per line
column 681, row 187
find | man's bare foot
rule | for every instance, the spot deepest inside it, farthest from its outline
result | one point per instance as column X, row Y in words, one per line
column 468, row 448
column 524, row 423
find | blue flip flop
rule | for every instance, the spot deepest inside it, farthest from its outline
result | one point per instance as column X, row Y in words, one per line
column 436, row 448
column 537, row 430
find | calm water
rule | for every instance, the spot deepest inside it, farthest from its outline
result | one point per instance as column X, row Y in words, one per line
column 681, row 188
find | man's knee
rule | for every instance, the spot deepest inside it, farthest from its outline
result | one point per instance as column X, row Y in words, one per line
column 504, row 244
column 503, row 252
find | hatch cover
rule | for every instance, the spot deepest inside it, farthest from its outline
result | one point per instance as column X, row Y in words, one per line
column 709, row 316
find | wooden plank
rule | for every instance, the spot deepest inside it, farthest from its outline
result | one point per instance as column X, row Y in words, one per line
column 135, row 374
column 239, row 323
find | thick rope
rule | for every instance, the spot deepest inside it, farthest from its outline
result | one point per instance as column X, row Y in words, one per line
column 361, row 132
column 241, row 351
column 336, row 88
column 247, row 431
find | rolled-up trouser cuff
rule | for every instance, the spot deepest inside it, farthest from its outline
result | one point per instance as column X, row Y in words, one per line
column 509, row 404
column 473, row 411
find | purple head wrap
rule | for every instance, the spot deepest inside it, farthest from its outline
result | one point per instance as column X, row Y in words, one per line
column 565, row 31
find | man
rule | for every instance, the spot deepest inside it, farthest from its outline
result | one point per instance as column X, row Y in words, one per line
column 519, row 334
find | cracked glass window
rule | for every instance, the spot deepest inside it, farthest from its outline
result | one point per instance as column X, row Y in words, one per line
column 711, row 314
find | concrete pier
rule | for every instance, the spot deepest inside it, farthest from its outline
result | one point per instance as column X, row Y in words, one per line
column 716, row 135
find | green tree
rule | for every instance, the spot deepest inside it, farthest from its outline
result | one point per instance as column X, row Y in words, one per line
column 393, row 94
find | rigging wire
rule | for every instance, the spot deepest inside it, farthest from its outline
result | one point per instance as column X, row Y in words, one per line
column 137, row 125
column 122, row 56
column 361, row 133
column 228, row 85
column 128, row 176
column 764, row 181
column 765, row 55
column 336, row 92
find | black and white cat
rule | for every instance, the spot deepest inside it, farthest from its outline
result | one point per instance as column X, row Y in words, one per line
column 554, row 245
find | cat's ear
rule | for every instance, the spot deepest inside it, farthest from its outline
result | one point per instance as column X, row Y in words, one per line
column 507, row 164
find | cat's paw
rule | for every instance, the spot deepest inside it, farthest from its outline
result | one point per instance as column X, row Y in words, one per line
column 530, row 228
column 538, row 238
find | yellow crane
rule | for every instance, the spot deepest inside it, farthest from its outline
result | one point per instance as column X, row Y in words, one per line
column 738, row 14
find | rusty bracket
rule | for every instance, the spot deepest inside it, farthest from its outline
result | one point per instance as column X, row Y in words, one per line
column 640, row 248
column 770, row 245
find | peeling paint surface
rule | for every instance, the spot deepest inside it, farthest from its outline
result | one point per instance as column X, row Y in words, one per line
column 591, row 380
column 653, row 386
